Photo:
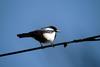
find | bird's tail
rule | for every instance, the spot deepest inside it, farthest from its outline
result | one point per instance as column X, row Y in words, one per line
column 23, row 35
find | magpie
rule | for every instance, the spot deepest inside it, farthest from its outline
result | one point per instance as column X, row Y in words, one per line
column 42, row 35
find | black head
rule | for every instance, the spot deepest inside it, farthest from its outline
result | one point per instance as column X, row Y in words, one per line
column 54, row 28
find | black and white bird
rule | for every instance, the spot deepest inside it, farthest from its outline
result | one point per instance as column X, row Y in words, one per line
column 43, row 35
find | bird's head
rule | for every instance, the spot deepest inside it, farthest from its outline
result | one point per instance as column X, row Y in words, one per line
column 51, row 28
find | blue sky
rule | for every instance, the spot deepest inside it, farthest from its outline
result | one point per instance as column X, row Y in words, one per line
column 75, row 18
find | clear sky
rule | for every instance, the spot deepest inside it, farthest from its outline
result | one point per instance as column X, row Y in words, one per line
column 75, row 18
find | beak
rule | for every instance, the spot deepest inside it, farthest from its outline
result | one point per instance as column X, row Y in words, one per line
column 58, row 30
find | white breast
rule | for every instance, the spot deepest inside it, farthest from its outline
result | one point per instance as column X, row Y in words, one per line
column 49, row 36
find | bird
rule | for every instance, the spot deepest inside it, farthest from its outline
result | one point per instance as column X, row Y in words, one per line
column 42, row 35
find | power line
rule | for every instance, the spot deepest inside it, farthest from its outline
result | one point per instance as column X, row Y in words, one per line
column 93, row 38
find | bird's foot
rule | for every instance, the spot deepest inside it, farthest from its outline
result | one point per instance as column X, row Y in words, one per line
column 52, row 45
column 41, row 44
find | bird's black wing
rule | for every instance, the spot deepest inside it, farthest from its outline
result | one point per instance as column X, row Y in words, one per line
column 38, row 35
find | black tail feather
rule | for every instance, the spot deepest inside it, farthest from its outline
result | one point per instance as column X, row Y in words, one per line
column 23, row 35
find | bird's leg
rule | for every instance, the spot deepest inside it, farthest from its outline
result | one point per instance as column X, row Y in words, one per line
column 41, row 44
column 52, row 44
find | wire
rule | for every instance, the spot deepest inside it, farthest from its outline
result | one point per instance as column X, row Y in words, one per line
column 93, row 38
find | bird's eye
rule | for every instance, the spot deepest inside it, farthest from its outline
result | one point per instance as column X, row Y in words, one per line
column 49, row 31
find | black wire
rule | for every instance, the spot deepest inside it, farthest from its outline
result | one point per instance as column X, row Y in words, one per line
column 93, row 38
